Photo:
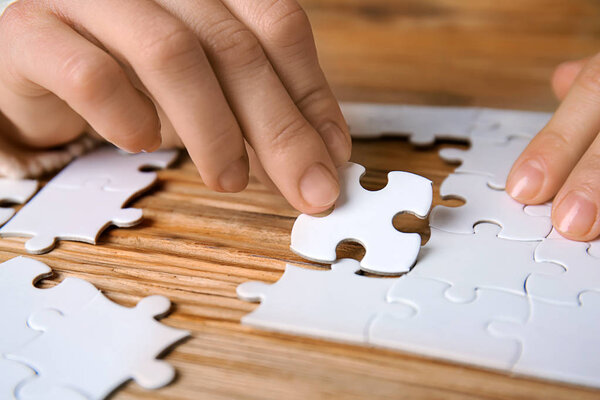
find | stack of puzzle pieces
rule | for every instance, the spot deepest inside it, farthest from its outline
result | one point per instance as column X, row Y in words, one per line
column 71, row 342
column 494, row 286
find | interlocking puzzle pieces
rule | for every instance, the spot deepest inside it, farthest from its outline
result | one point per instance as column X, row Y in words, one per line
column 15, row 191
column 499, row 125
column 484, row 204
column 70, row 214
column 12, row 374
column 422, row 124
column 480, row 260
column 490, row 158
column 337, row 304
column 582, row 271
column 98, row 347
column 118, row 170
column 366, row 217
column 559, row 342
column 444, row 329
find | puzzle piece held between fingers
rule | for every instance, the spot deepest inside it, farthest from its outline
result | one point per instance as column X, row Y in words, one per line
column 69, row 214
column 484, row 204
column 366, row 217
column 99, row 347
column 337, row 304
column 480, row 261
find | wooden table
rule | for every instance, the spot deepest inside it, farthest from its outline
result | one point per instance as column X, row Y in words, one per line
column 196, row 246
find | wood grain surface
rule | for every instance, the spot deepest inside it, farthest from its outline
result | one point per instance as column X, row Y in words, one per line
column 196, row 246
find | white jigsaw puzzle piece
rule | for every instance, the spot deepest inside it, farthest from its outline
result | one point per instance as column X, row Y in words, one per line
column 479, row 261
column 488, row 158
column 498, row 125
column 98, row 347
column 121, row 171
column 70, row 214
column 337, row 304
column 16, row 191
column 582, row 271
column 449, row 330
column 484, row 204
column 19, row 298
column 559, row 342
column 12, row 374
column 366, row 217
column 421, row 124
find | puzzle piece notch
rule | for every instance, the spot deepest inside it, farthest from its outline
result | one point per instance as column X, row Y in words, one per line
column 449, row 330
column 559, row 342
column 498, row 125
column 484, row 204
column 12, row 374
column 489, row 158
column 79, row 214
column 120, row 171
column 479, row 261
column 337, row 304
column 421, row 124
column 366, row 217
column 16, row 191
column 582, row 271
column 98, row 347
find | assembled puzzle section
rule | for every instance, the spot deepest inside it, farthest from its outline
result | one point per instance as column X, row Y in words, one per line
column 70, row 342
column 85, row 198
column 366, row 217
column 14, row 191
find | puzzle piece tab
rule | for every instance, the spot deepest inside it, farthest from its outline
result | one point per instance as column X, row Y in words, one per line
column 98, row 347
column 484, row 204
column 449, row 330
column 480, row 261
column 366, row 217
column 337, row 304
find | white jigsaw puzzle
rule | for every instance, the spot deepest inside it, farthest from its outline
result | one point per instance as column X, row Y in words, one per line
column 488, row 158
column 582, row 271
column 12, row 374
column 499, row 125
column 14, row 191
column 98, row 347
column 421, row 124
column 336, row 304
column 70, row 214
column 479, row 261
column 559, row 342
column 484, row 204
column 449, row 330
column 366, row 217
column 121, row 171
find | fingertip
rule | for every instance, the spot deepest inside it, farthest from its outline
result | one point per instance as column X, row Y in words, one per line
column 337, row 140
column 235, row 177
column 575, row 216
column 564, row 75
column 526, row 181
column 319, row 189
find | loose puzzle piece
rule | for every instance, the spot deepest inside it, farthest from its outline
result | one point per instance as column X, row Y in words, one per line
column 449, row 330
column 15, row 191
column 337, row 304
column 366, row 217
column 98, row 347
column 120, row 171
column 479, row 261
column 558, row 341
column 12, row 374
column 499, row 125
column 19, row 298
column 422, row 124
column 484, row 204
column 488, row 158
column 582, row 271
column 70, row 214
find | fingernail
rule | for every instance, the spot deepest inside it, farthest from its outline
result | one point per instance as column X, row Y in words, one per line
column 318, row 186
column 529, row 179
column 336, row 141
column 576, row 214
column 235, row 177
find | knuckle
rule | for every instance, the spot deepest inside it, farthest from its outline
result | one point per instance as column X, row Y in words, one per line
column 234, row 44
column 286, row 24
column 91, row 78
column 314, row 98
column 289, row 133
column 169, row 46
column 589, row 77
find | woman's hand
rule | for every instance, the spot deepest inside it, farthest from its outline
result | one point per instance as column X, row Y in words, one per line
column 220, row 75
column 563, row 160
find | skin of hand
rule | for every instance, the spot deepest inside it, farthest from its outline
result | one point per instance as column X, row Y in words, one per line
column 238, row 82
column 563, row 160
